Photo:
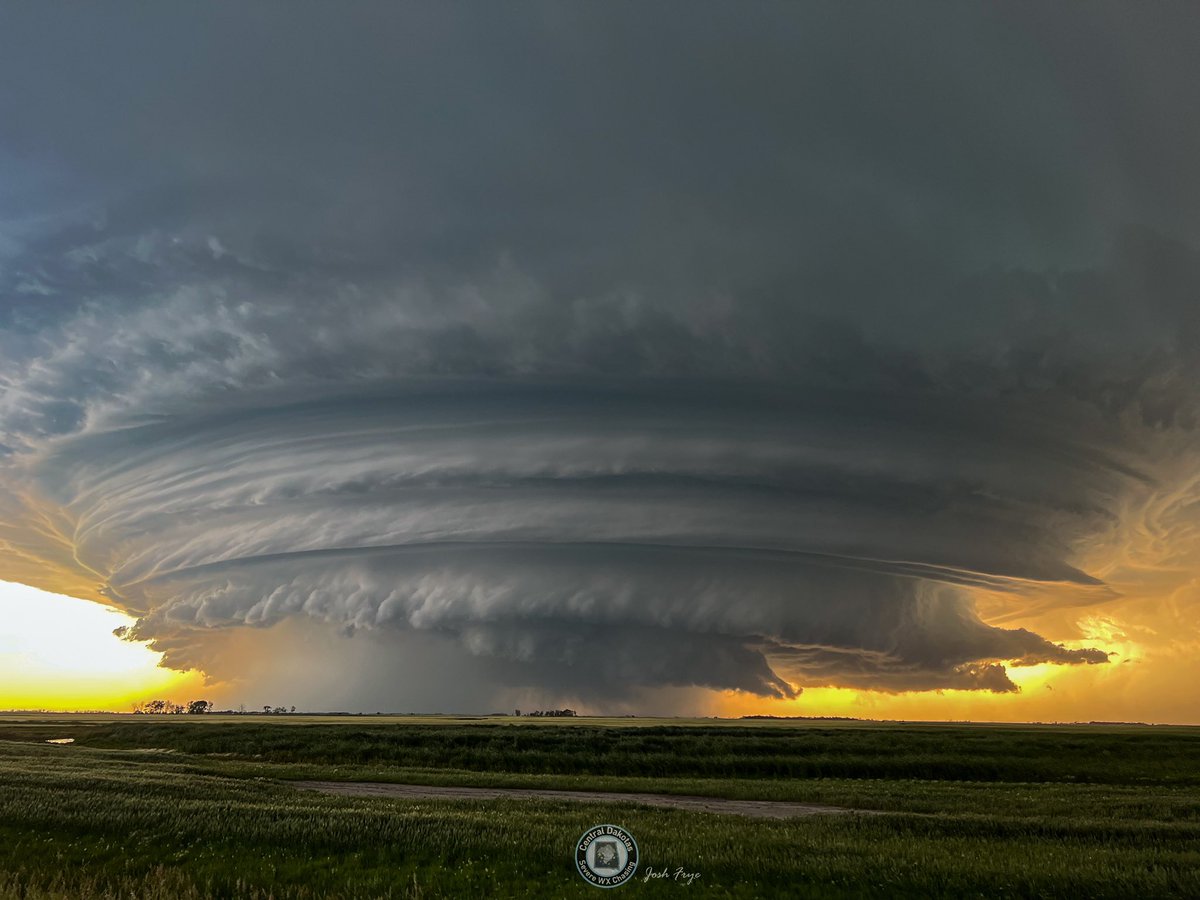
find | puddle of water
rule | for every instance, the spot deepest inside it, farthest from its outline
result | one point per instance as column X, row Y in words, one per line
column 60, row 740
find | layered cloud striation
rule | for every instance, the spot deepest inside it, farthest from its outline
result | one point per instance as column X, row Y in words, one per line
column 580, row 528
column 786, row 350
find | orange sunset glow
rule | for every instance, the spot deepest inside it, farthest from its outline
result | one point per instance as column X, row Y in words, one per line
column 59, row 653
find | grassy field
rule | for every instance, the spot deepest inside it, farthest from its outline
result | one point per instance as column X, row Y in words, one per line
column 194, row 807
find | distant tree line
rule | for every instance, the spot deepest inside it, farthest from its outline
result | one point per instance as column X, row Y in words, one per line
column 197, row 707
column 561, row 713
column 170, row 708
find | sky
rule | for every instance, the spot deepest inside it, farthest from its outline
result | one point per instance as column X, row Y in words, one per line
column 674, row 358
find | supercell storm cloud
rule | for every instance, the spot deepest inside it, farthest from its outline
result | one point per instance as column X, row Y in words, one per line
column 691, row 346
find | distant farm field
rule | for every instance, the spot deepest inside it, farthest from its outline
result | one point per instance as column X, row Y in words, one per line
column 196, row 806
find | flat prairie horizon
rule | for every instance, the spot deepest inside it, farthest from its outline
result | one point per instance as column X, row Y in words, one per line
column 38, row 717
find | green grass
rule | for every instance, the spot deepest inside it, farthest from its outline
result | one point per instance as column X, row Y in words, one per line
column 98, row 820
column 941, row 753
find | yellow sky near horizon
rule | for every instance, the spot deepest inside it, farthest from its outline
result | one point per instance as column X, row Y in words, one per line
column 1148, row 678
column 59, row 653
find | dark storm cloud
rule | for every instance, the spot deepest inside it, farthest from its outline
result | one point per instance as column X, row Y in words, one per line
column 629, row 346
column 545, row 522
column 742, row 149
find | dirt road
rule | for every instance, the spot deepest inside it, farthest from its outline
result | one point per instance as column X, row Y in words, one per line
column 756, row 809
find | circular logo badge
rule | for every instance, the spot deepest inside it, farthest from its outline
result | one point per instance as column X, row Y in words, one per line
column 606, row 856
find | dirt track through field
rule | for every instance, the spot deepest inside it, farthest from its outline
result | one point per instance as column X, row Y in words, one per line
column 755, row 809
